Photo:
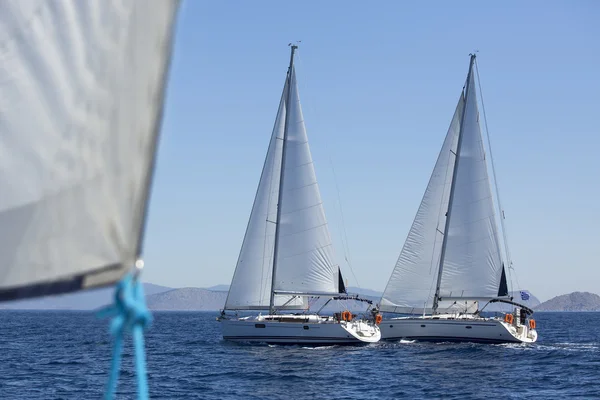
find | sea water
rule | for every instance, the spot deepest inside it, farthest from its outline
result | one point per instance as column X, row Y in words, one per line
column 66, row 355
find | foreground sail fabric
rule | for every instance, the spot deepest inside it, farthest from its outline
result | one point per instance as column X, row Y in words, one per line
column 82, row 86
column 412, row 284
column 472, row 263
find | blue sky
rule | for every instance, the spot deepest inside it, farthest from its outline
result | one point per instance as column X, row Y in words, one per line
column 378, row 85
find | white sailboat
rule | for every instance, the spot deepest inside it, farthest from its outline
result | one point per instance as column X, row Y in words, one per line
column 82, row 87
column 287, row 255
column 452, row 257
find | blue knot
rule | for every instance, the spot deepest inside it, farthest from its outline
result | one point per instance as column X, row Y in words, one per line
column 129, row 309
column 130, row 314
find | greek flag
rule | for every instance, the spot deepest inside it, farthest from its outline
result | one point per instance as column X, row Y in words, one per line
column 524, row 295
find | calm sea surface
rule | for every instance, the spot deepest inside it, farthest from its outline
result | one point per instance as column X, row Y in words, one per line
column 65, row 355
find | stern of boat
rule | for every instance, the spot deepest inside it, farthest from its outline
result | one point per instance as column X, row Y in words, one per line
column 522, row 333
column 365, row 331
column 520, row 325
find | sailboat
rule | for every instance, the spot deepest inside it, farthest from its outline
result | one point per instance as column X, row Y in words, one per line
column 83, row 87
column 452, row 258
column 287, row 255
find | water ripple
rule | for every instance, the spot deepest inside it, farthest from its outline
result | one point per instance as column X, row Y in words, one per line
column 65, row 355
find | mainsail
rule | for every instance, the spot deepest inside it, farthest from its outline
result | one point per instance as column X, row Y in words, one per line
column 82, row 94
column 472, row 264
column 305, row 258
column 471, row 267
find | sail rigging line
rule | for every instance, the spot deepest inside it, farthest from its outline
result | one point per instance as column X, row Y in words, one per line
column 341, row 221
column 345, row 245
column 502, row 215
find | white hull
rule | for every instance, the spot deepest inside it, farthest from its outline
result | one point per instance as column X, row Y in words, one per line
column 311, row 329
column 456, row 329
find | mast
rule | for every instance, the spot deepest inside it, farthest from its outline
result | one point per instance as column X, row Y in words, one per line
column 281, row 176
column 453, row 184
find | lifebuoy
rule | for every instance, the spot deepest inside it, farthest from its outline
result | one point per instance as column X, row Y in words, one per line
column 346, row 316
column 378, row 319
column 532, row 323
column 509, row 318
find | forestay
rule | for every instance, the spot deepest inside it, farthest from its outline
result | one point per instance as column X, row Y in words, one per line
column 412, row 284
column 82, row 87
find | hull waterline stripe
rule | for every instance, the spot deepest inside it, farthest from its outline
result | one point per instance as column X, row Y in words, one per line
column 452, row 339
column 295, row 338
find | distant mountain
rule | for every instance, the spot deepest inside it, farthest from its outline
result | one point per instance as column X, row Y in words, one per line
column 576, row 301
column 86, row 300
column 219, row 288
column 187, row 299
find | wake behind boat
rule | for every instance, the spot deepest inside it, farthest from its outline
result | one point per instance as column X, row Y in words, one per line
column 287, row 256
column 452, row 257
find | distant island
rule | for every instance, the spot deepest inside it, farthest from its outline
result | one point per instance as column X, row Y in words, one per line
column 576, row 301
column 163, row 298
column 187, row 299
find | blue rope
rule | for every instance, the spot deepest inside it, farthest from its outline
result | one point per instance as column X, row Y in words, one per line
column 130, row 314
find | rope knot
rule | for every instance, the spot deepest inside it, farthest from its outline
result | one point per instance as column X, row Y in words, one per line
column 130, row 314
column 129, row 308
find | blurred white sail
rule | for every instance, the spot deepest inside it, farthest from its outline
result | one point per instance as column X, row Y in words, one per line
column 82, row 86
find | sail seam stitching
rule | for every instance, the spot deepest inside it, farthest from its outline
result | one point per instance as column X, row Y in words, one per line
column 308, row 251
column 305, row 230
